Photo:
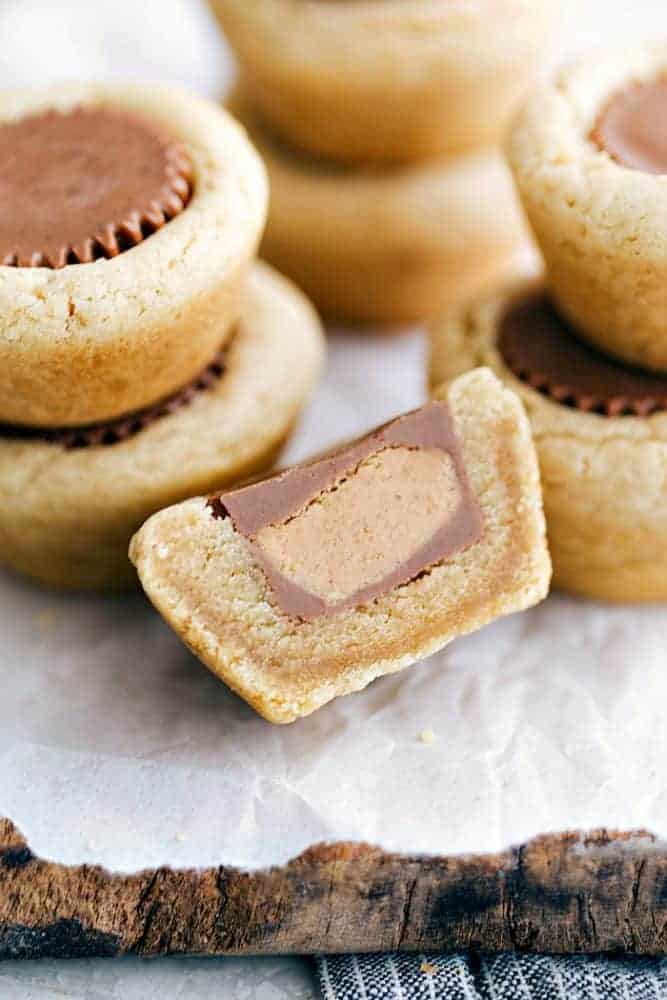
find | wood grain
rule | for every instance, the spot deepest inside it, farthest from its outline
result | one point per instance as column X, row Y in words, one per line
column 603, row 892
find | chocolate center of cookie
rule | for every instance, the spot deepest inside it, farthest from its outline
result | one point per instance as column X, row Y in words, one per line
column 351, row 527
column 541, row 349
column 633, row 127
column 85, row 184
column 122, row 428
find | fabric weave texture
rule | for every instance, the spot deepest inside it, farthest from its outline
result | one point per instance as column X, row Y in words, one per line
column 508, row 976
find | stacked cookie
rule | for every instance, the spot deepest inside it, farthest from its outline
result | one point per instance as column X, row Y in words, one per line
column 379, row 122
column 144, row 357
column 588, row 352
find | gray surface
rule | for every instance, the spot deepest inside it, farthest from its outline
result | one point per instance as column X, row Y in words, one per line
column 166, row 979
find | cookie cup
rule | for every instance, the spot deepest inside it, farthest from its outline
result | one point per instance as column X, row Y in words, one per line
column 203, row 578
column 601, row 226
column 603, row 478
column 388, row 246
column 381, row 81
column 66, row 516
column 91, row 341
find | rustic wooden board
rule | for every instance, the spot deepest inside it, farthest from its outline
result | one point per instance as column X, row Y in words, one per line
column 605, row 892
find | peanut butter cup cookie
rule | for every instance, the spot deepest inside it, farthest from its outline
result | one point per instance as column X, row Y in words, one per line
column 389, row 245
column 600, row 429
column 377, row 80
column 70, row 499
column 589, row 153
column 310, row 584
column 128, row 217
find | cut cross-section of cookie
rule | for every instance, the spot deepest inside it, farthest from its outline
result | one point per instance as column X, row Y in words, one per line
column 589, row 154
column 70, row 500
column 339, row 533
column 310, row 584
column 600, row 429
column 128, row 219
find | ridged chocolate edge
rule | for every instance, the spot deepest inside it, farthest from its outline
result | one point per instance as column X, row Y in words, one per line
column 567, row 395
column 117, row 237
column 122, row 428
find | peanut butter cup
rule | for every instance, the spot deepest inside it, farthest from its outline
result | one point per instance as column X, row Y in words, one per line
column 349, row 528
column 88, row 183
column 540, row 347
column 163, row 182
column 312, row 583
column 602, row 448
column 633, row 127
column 589, row 156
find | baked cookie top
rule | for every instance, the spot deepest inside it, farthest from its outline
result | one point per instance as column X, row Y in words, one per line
column 632, row 128
column 587, row 137
column 128, row 219
column 588, row 153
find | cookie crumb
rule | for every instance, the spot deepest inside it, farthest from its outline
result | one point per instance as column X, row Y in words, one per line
column 45, row 620
column 180, row 837
column 427, row 736
column 428, row 968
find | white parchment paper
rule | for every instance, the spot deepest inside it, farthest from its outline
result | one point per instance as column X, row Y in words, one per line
column 593, row 712
column 117, row 747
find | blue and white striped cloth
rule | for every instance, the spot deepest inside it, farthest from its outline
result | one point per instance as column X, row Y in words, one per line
column 500, row 977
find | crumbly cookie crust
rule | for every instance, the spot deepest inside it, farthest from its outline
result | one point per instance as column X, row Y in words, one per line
column 601, row 226
column 380, row 81
column 66, row 515
column 92, row 341
column 388, row 246
column 199, row 573
column 603, row 478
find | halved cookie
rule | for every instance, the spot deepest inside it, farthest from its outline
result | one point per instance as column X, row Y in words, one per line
column 310, row 584
column 71, row 499
column 128, row 219
column 391, row 245
column 600, row 429
column 377, row 80
column 589, row 154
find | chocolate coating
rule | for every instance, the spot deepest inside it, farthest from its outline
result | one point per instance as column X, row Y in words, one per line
column 633, row 127
column 541, row 349
column 85, row 184
column 276, row 500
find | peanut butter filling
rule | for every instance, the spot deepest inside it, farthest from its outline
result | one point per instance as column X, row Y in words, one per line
column 353, row 526
column 633, row 127
column 356, row 534
column 85, row 184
